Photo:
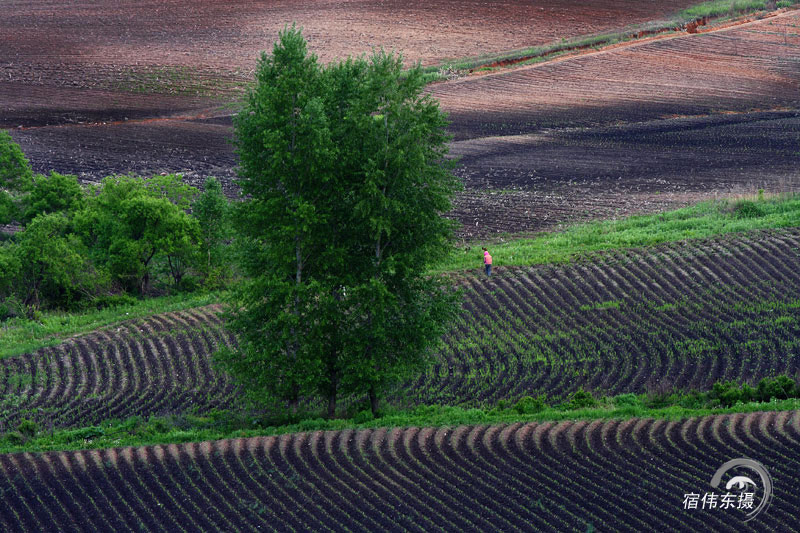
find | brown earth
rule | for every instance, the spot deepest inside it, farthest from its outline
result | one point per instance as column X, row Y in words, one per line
column 639, row 127
column 604, row 475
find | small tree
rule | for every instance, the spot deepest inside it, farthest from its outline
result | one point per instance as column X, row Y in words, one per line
column 53, row 194
column 129, row 225
column 15, row 170
column 52, row 266
column 211, row 209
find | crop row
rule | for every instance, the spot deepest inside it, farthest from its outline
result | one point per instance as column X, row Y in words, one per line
column 678, row 316
column 613, row 476
column 681, row 316
column 155, row 366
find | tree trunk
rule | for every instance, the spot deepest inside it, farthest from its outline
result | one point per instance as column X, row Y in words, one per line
column 373, row 400
column 294, row 401
column 333, row 388
column 332, row 404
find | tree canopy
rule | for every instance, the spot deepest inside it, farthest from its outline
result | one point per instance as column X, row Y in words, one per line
column 345, row 176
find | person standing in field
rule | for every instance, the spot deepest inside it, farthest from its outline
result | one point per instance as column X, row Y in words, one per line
column 487, row 262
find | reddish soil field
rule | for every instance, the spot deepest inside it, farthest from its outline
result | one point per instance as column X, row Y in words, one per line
column 637, row 128
column 633, row 129
column 230, row 35
column 615, row 475
column 211, row 47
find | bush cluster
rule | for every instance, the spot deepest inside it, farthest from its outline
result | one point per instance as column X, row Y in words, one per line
column 74, row 247
column 722, row 394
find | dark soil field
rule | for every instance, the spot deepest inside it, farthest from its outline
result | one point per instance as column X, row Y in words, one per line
column 679, row 316
column 613, row 475
column 637, row 128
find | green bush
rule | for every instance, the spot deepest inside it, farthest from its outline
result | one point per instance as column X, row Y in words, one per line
column 15, row 438
column 363, row 417
column 727, row 393
column 52, row 194
column 87, row 433
column 28, row 428
column 580, row 399
column 780, row 387
column 8, row 209
column 747, row 209
column 15, row 170
column 626, row 400
column 529, row 405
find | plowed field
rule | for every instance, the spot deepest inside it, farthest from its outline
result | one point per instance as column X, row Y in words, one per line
column 570, row 476
column 682, row 315
column 637, row 128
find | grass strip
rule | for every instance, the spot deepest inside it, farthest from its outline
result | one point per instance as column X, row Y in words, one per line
column 187, row 428
column 20, row 335
column 703, row 220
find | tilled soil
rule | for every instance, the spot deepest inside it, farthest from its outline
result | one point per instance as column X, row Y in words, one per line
column 636, row 128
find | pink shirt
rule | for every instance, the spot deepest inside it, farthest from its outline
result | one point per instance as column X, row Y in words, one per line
column 487, row 259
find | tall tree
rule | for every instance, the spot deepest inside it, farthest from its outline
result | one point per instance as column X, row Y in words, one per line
column 285, row 153
column 211, row 209
column 400, row 184
column 346, row 180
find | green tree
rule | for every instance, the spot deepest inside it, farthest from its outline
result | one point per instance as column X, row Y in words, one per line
column 52, row 194
column 52, row 268
column 346, row 180
column 400, row 184
column 129, row 225
column 211, row 209
column 285, row 153
column 15, row 170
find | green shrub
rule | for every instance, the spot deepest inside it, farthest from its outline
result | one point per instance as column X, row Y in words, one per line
column 27, row 428
column 113, row 300
column 363, row 417
column 311, row 424
column 52, row 194
column 8, row 209
column 15, row 170
column 529, row 405
column 780, row 387
column 88, row 433
column 15, row 438
column 626, row 400
column 581, row 399
column 726, row 392
column 747, row 209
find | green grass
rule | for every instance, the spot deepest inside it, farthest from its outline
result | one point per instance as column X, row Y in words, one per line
column 222, row 425
column 706, row 219
column 18, row 335
column 717, row 8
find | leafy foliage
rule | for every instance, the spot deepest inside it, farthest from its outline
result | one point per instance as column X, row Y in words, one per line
column 15, row 170
column 345, row 172
column 52, row 194
column 50, row 264
column 129, row 225
column 211, row 210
